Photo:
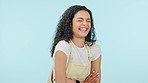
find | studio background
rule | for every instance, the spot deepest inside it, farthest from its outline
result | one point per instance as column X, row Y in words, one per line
column 27, row 28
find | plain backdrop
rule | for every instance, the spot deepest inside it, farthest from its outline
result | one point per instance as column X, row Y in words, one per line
column 27, row 28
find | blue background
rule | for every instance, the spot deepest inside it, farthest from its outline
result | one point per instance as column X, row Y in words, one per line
column 27, row 28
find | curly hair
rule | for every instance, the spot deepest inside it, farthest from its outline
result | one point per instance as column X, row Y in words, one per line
column 64, row 27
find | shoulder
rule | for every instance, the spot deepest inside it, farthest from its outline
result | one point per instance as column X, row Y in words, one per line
column 62, row 43
column 95, row 51
column 95, row 47
column 62, row 46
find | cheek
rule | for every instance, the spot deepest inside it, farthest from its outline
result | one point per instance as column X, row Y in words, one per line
column 76, row 26
column 89, row 26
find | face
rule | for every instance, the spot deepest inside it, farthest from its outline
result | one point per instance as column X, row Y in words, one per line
column 81, row 24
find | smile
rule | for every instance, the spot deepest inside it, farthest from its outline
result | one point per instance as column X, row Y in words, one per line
column 83, row 29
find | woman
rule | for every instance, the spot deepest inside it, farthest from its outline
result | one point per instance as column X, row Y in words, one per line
column 76, row 57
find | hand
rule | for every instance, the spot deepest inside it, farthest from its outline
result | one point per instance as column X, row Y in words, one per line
column 92, row 78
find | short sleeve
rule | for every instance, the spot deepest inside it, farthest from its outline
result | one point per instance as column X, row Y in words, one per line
column 95, row 51
column 62, row 46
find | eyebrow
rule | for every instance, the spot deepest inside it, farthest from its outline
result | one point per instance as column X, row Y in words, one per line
column 82, row 18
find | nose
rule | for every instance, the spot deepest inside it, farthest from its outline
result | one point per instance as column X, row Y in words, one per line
column 84, row 23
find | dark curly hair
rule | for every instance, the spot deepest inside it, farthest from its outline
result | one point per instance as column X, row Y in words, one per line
column 64, row 27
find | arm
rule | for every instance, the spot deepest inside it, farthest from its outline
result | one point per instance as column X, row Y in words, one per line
column 96, row 66
column 60, row 67
column 95, row 75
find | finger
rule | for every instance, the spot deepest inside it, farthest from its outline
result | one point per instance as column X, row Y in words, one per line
column 92, row 78
column 95, row 78
column 94, row 75
column 90, row 75
column 88, row 79
column 98, row 75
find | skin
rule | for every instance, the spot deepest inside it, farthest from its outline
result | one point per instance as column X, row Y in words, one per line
column 81, row 25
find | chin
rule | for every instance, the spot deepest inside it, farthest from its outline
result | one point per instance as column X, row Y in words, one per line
column 83, row 36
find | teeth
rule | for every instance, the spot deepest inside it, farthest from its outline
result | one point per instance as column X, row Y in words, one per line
column 83, row 29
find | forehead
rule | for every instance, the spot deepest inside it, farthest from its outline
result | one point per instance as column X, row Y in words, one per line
column 82, row 14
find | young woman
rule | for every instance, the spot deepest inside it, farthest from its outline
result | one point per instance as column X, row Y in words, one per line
column 76, row 56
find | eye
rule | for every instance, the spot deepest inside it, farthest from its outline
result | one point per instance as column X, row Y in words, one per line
column 88, row 20
column 79, row 20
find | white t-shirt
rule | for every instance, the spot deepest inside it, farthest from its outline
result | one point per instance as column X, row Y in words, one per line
column 79, row 55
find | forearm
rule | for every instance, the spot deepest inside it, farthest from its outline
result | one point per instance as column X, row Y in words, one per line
column 99, row 79
column 96, row 66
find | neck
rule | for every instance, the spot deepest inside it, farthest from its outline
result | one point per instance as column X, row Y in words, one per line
column 78, row 42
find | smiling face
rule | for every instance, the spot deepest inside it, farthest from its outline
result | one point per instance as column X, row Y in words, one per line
column 81, row 24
